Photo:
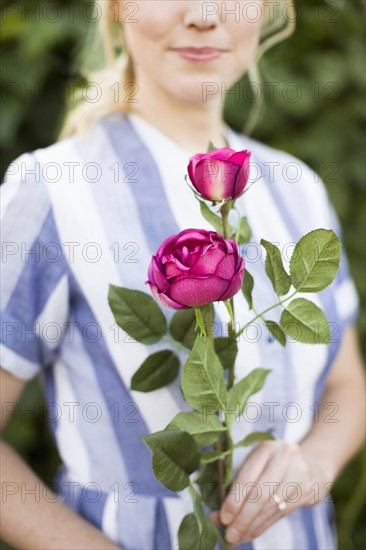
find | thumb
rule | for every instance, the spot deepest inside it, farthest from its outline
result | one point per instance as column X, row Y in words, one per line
column 215, row 516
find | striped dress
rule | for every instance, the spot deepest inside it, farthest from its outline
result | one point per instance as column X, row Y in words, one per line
column 85, row 213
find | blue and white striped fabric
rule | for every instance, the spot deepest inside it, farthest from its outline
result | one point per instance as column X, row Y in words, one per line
column 84, row 213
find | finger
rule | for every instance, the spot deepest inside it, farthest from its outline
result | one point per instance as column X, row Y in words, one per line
column 287, row 492
column 258, row 505
column 256, row 496
column 252, row 468
column 290, row 493
column 215, row 516
column 255, row 509
column 258, row 531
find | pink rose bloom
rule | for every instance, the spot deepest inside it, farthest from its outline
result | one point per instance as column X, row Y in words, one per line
column 220, row 174
column 195, row 268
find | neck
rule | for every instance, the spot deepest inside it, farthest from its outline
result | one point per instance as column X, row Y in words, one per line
column 192, row 125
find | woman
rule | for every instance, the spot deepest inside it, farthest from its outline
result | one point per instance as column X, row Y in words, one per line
column 112, row 190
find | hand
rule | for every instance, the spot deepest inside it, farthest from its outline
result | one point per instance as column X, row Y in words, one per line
column 272, row 467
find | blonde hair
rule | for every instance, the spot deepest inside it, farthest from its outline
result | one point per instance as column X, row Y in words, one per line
column 106, row 62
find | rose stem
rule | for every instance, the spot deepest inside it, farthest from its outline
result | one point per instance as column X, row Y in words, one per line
column 220, row 464
column 231, row 335
column 225, row 209
column 208, row 309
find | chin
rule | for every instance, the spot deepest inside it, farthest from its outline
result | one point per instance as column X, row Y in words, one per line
column 196, row 88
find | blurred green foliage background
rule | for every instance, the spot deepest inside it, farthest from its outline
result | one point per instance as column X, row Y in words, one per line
column 313, row 108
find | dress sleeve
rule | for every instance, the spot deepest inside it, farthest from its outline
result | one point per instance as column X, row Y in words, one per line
column 321, row 213
column 34, row 273
column 347, row 301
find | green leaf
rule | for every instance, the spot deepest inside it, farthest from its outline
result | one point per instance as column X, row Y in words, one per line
column 189, row 535
column 280, row 279
column 158, row 370
column 207, row 480
column 182, row 327
column 226, row 350
column 208, row 316
column 213, row 219
column 205, row 428
column 209, row 532
column 243, row 233
column 315, row 260
column 199, row 321
column 303, row 321
column 229, row 309
column 247, row 288
column 198, row 508
column 210, row 535
column 203, row 381
column 276, row 331
column 239, row 394
column 254, row 437
column 137, row 313
column 175, row 455
column 211, row 456
column 211, row 147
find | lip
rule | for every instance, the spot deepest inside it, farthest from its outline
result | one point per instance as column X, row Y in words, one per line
column 199, row 54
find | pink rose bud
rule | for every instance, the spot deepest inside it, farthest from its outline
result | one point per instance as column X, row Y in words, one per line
column 220, row 174
column 195, row 268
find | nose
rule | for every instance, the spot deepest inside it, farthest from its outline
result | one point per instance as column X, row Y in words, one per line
column 201, row 15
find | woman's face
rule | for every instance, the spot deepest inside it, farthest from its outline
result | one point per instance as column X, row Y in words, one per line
column 191, row 48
